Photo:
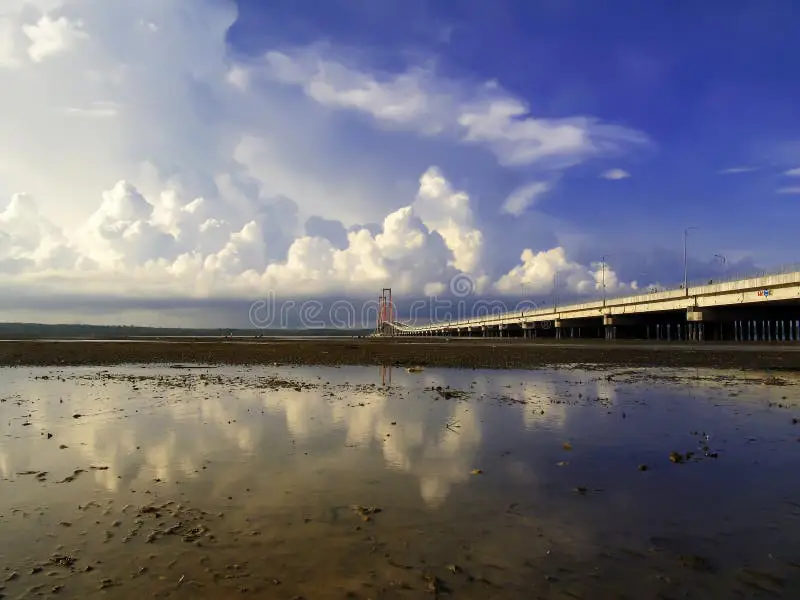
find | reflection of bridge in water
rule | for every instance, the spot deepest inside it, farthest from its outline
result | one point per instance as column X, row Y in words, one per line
column 764, row 308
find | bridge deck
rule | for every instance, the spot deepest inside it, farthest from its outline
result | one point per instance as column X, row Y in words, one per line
column 699, row 303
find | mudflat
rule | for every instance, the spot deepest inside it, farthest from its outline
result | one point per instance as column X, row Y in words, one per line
column 325, row 483
column 491, row 353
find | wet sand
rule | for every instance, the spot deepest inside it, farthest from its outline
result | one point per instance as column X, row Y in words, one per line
column 464, row 353
column 368, row 482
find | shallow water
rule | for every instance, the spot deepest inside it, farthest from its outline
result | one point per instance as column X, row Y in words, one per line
column 219, row 482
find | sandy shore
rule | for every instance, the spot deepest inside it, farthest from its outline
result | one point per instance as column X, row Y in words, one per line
column 463, row 353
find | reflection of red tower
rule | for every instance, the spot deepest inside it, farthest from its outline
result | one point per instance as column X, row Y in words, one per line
column 386, row 375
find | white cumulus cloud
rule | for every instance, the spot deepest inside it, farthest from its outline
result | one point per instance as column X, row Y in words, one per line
column 144, row 244
column 49, row 37
column 448, row 212
column 540, row 271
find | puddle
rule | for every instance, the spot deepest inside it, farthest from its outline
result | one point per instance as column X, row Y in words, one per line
column 391, row 483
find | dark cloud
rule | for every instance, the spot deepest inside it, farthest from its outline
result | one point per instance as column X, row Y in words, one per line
column 331, row 230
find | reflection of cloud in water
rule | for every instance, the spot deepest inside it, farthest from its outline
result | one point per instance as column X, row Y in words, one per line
column 168, row 432
column 5, row 467
column 146, row 431
column 176, row 429
column 133, row 432
column 439, row 458
column 537, row 395
column 417, row 445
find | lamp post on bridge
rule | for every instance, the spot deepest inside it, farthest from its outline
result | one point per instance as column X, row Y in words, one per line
column 724, row 261
column 685, row 268
column 555, row 291
column 603, row 267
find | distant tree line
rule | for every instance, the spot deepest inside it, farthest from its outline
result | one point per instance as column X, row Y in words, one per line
column 105, row 332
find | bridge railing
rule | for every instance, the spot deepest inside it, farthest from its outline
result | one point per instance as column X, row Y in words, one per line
column 726, row 277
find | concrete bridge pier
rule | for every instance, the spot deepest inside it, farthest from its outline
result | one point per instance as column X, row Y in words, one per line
column 608, row 327
column 570, row 328
column 694, row 331
column 611, row 324
column 693, row 319
column 709, row 323
column 724, row 325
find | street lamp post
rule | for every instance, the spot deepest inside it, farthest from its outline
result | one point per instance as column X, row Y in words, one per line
column 603, row 268
column 724, row 262
column 555, row 291
column 685, row 268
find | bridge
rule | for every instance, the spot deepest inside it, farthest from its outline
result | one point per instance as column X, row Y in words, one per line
column 758, row 308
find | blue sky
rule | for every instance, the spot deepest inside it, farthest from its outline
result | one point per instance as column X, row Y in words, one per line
column 212, row 151
column 715, row 85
